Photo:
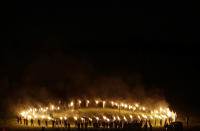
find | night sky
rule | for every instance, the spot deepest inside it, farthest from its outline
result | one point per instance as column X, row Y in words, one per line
column 152, row 45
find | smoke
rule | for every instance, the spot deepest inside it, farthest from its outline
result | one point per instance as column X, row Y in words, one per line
column 57, row 76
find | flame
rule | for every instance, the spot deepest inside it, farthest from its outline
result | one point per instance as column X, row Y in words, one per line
column 131, row 117
column 114, row 118
column 118, row 118
column 97, row 102
column 29, row 116
column 43, row 116
column 75, row 118
column 125, row 118
column 49, row 118
column 72, row 103
column 139, row 117
column 90, row 119
column 97, row 118
column 52, row 107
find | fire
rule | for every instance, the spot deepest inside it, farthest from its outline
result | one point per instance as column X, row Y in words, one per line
column 43, row 117
column 29, row 116
column 82, row 118
column 118, row 118
column 97, row 118
column 144, row 116
column 114, row 118
column 52, row 107
column 72, row 103
column 131, row 117
column 23, row 113
column 49, row 118
column 97, row 102
column 104, row 102
column 75, row 118
column 121, row 108
column 90, row 119
column 125, row 118
column 139, row 117
column 125, row 105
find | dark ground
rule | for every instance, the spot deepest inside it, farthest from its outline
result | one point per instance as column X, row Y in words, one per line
column 63, row 129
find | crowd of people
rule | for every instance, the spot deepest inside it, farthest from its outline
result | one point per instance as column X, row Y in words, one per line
column 84, row 124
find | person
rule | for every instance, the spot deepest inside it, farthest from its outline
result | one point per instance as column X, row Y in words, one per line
column 155, row 122
column 140, row 124
column 46, row 123
column 106, row 124
column 26, row 122
column 90, row 123
column 53, row 123
column 165, row 123
column 145, row 126
column 160, row 122
column 115, row 124
column 43, row 128
column 39, row 122
column 120, row 124
column 32, row 123
column 60, row 121
column 103, row 124
column 98, row 124
column 18, row 120
column 68, row 125
column 150, row 127
column 78, row 125
column 56, row 122
column 166, row 126
column 82, row 125
column 86, row 125
column 65, row 123
column 111, row 124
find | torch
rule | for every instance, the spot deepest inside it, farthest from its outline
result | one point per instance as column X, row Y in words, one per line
column 52, row 107
column 104, row 102
column 97, row 118
column 112, row 103
column 97, row 102
column 87, row 103
column 79, row 103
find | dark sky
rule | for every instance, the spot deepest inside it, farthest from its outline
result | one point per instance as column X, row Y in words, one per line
column 155, row 43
